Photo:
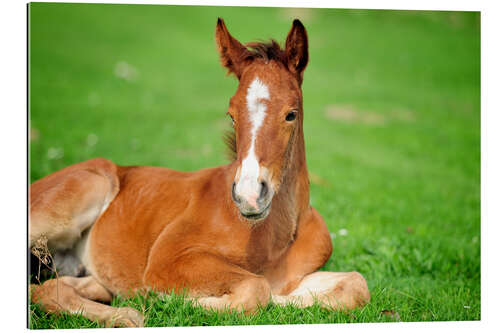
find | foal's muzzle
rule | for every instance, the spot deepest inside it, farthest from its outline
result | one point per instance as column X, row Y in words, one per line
column 254, row 205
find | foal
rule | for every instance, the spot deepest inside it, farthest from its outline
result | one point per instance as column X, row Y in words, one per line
column 235, row 236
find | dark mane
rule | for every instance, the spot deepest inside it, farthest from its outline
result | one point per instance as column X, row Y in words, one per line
column 229, row 138
column 266, row 51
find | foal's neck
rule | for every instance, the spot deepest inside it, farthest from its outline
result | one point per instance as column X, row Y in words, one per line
column 295, row 183
column 292, row 199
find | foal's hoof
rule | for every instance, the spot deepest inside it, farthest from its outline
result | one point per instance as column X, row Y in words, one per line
column 349, row 293
column 126, row 317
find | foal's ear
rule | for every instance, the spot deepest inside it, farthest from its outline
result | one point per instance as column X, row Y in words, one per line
column 296, row 50
column 230, row 50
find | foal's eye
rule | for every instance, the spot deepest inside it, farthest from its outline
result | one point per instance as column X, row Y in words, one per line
column 291, row 115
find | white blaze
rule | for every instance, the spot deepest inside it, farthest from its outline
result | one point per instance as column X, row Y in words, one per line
column 248, row 185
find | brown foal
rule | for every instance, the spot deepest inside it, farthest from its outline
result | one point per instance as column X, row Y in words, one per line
column 234, row 237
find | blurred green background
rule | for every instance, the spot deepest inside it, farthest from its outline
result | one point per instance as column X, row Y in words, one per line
column 392, row 126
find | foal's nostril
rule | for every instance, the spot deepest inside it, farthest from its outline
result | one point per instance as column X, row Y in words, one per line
column 264, row 189
column 233, row 194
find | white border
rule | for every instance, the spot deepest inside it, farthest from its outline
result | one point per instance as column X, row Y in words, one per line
column 461, row 5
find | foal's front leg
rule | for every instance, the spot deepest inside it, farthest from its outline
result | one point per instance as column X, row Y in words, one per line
column 294, row 279
column 338, row 291
column 210, row 280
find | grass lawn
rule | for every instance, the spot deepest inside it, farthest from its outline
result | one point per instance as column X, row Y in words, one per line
column 392, row 126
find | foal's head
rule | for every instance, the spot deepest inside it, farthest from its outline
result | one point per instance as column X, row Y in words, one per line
column 266, row 111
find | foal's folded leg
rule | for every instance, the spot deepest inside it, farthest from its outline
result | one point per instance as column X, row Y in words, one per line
column 211, row 281
column 88, row 287
column 66, row 294
column 67, row 202
column 339, row 291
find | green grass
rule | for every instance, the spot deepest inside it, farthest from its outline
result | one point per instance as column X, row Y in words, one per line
column 392, row 125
